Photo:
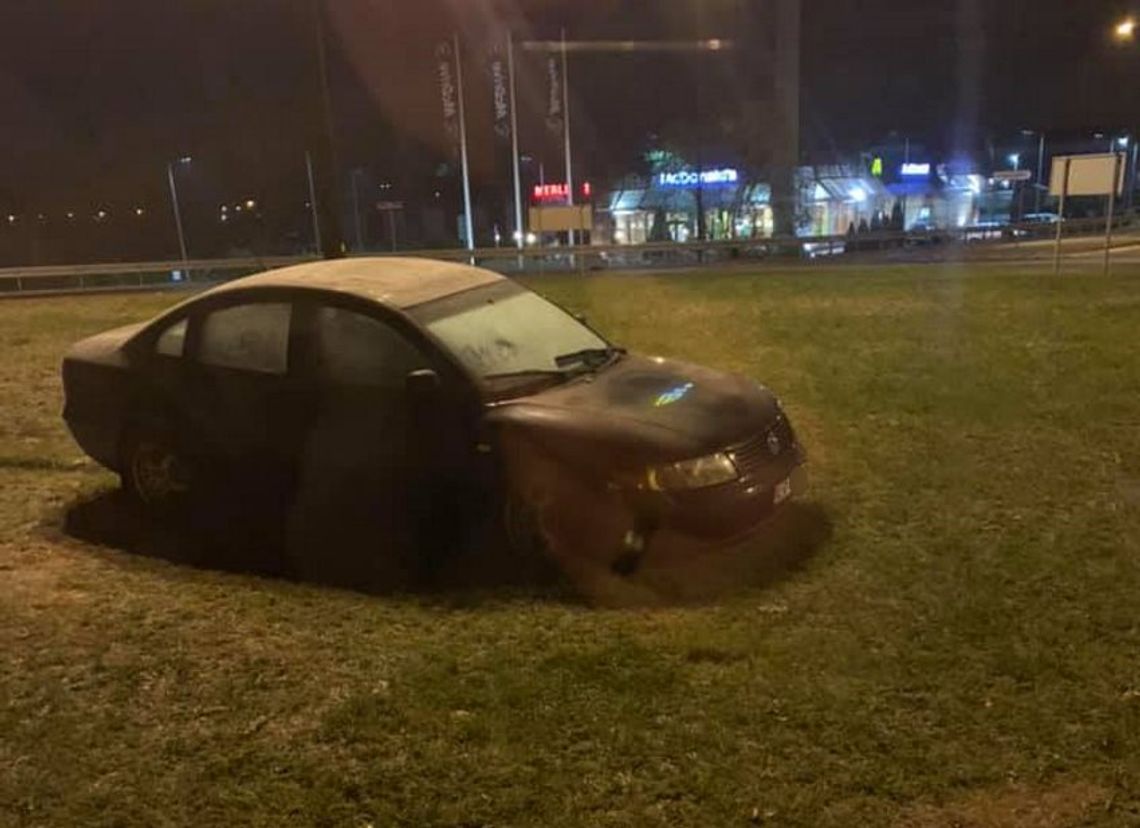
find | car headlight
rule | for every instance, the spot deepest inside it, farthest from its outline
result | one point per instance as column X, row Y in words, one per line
column 691, row 474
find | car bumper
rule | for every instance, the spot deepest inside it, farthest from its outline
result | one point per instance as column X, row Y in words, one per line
column 724, row 514
column 621, row 528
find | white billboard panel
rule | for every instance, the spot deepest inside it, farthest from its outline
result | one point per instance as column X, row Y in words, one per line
column 1089, row 175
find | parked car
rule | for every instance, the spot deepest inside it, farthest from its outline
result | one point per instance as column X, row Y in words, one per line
column 1035, row 224
column 436, row 395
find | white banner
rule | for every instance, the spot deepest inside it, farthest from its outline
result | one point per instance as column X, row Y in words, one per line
column 500, row 96
column 445, row 72
column 554, row 106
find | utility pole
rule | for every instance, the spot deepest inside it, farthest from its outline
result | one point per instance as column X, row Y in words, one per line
column 325, row 199
column 177, row 211
column 1040, row 172
column 786, row 153
column 313, row 202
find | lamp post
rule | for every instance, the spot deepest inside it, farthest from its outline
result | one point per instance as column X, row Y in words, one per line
column 313, row 202
column 1039, row 180
column 355, row 175
column 1132, row 189
column 1122, row 146
column 186, row 159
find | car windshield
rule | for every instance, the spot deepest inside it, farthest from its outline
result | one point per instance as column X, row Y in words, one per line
column 506, row 331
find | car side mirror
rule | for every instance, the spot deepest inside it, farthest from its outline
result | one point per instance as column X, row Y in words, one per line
column 422, row 383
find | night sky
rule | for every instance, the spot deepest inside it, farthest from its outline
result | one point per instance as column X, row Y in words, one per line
column 98, row 95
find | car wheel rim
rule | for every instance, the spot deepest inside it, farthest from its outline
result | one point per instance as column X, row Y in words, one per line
column 158, row 473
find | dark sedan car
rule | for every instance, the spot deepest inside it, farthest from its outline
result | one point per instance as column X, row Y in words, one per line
column 433, row 396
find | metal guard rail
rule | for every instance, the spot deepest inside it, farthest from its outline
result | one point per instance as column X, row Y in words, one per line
column 177, row 273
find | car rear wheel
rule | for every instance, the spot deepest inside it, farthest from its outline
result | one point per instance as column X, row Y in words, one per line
column 156, row 472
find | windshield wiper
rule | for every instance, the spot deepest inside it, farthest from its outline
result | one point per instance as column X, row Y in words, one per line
column 590, row 357
column 528, row 372
column 569, row 365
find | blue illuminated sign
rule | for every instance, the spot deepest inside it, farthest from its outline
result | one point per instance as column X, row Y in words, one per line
column 673, row 394
column 683, row 179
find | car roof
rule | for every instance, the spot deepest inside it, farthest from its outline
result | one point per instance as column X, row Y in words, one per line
column 398, row 281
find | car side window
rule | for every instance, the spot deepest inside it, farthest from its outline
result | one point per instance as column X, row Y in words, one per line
column 350, row 348
column 252, row 337
column 172, row 341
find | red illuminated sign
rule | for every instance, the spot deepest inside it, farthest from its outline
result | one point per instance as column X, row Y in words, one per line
column 558, row 191
column 551, row 192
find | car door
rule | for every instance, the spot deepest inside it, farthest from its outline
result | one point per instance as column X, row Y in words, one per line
column 381, row 460
column 242, row 401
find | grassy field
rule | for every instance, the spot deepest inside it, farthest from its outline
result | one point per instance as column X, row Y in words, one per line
column 963, row 649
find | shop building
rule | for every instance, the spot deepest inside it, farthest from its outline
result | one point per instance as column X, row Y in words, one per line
column 667, row 205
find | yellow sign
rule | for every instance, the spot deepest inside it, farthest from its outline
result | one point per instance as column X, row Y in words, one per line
column 562, row 217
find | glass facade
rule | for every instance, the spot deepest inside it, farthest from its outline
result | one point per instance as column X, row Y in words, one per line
column 834, row 200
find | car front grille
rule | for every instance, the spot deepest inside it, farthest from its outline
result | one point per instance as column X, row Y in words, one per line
column 754, row 454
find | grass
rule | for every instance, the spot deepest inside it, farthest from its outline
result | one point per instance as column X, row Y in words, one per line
column 962, row 650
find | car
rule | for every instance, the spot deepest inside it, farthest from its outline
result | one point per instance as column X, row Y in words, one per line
column 436, row 397
column 1039, row 218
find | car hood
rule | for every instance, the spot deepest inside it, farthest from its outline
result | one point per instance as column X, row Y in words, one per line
column 683, row 409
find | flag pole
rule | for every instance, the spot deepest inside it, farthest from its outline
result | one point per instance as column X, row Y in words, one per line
column 519, row 231
column 566, row 129
column 463, row 145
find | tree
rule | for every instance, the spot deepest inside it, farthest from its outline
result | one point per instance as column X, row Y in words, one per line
column 897, row 216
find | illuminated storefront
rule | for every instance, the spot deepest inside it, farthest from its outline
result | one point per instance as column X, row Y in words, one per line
column 665, row 206
column 939, row 196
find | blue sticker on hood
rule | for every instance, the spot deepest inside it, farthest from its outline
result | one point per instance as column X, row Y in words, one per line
column 673, row 394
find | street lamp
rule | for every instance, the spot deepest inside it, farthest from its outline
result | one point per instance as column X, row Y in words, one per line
column 1125, row 30
column 1015, row 159
column 185, row 159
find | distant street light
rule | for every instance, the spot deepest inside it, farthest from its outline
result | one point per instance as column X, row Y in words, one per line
column 185, row 159
column 1125, row 30
column 1015, row 159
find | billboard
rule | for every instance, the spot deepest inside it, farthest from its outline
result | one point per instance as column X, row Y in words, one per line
column 1089, row 175
column 560, row 218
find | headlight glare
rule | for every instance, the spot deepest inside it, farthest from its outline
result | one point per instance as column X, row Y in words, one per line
column 691, row 474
